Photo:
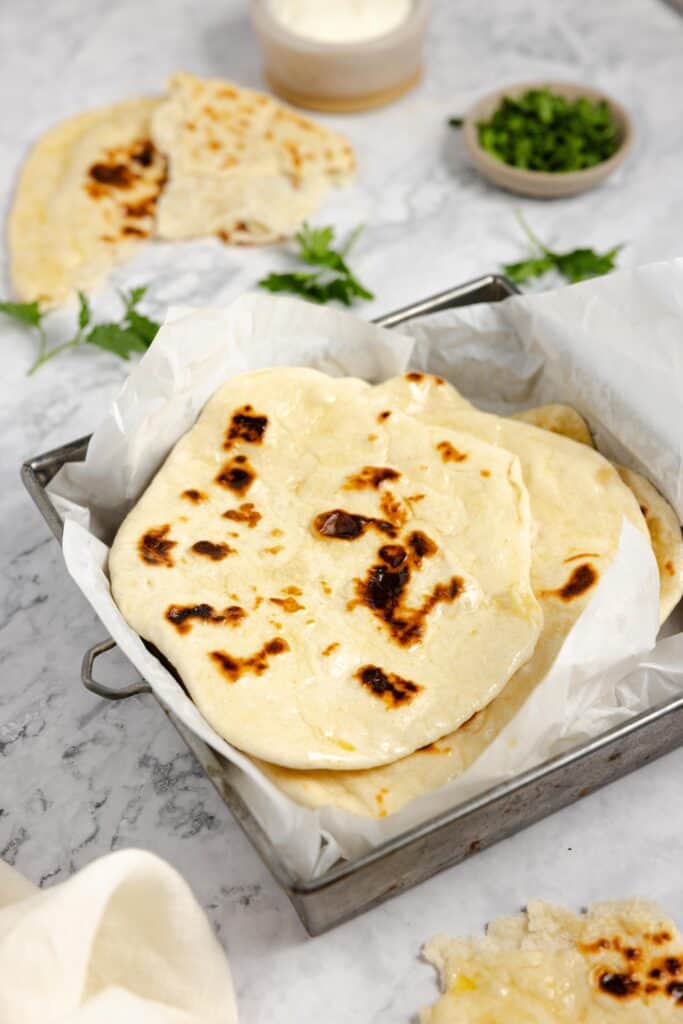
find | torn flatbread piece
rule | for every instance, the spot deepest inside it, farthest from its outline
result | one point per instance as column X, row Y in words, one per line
column 619, row 961
column 243, row 166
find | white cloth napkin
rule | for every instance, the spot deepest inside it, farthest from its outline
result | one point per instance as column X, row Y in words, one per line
column 124, row 940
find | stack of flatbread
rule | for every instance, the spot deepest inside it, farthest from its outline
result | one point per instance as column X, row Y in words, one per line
column 361, row 585
column 209, row 158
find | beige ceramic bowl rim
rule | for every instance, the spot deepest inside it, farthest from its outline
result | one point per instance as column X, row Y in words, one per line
column 622, row 117
column 265, row 22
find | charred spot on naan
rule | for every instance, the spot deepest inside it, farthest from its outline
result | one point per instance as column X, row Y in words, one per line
column 330, row 648
column 256, row 664
column 582, row 554
column 370, row 477
column 642, row 973
column 415, row 377
column 180, row 615
column 421, row 546
column 246, row 426
column 384, row 415
column 393, row 689
column 382, row 592
column 583, row 577
column 449, row 453
column 237, row 475
column 246, row 513
column 393, row 554
column 338, row 524
column 216, row 551
column 288, row 604
column 155, row 546
column 193, row 495
column 395, row 510
column 121, row 169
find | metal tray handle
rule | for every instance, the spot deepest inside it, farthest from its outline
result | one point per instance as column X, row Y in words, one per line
column 100, row 688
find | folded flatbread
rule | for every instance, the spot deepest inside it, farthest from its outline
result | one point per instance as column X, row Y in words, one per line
column 85, row 199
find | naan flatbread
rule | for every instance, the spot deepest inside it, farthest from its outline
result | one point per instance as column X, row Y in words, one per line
column 335, row 588
column 665, row 537
column 662, row 521
column 578, row 504
column 560, row 419
column 242, row 166
column 86, row 198
column 619, row 961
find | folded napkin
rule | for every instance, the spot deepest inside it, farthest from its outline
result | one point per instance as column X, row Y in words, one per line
column 124, row 940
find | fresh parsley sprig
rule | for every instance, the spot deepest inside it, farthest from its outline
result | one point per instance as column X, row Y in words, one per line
column 334, row 279
column 575, row 265
column 134, row 332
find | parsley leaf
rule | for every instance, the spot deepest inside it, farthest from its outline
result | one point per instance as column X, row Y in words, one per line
column 581, row 264
column 133, row 333
column 28, row 313
column 456, row 122
column 115, row 338
column 83, row 311
column 334, row 281
column 536, row 266
column 575, row 265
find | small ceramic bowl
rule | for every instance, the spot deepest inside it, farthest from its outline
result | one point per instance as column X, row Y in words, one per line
column 341, row 77
column 544, row 184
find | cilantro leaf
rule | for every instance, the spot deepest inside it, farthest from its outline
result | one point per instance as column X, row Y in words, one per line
column 582, row 264
column 133, row 333
column 122, row 341
column 83, row 311
column 28, row 313
column 456, row 122
column 334, row 281
column 292, row 282
column 575, row 265
column 535, row 266
column 145, row 328
column 134, row 297
column 314, row 243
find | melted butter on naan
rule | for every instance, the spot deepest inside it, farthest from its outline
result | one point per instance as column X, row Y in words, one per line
column 618, row 961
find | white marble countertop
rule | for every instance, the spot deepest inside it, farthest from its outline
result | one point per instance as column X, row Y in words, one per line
column 81, row 776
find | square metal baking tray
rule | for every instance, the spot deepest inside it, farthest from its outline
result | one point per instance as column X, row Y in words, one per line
column 351, row 887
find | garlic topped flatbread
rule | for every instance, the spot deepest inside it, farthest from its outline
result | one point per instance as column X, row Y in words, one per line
column 620, row 961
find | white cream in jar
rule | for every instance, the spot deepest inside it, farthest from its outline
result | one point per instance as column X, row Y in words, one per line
column 340, row 21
